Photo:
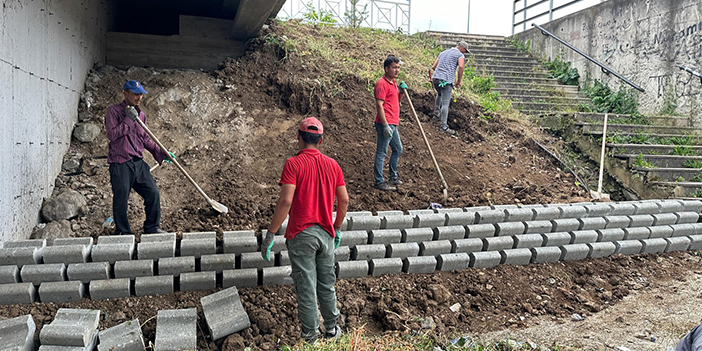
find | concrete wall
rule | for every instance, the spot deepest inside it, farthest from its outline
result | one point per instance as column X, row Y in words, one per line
column 47, row 48
column 644, row 41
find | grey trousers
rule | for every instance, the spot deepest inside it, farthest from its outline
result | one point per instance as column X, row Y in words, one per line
column 443, row 99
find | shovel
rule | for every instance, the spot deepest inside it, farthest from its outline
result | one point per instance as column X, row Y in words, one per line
column 436, row 164
column 216, row 205
column 599, row 195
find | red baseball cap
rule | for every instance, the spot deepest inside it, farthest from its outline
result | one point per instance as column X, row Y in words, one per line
column 311, row 125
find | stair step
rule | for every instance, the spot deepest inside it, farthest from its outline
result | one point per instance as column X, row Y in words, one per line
column 645, row 149
column 536, row 86
column 520, row 69
column 547, row 98
column 596, row 129
column 466, row 36
column 681, row 189
column 660, row 161
column 508, row 60
column 518, row 74
column 502, row 78
column 543, row 106
column 656, row 120
column 544, row 113
column 671, row 174
column 556, row 93
column 499, row 53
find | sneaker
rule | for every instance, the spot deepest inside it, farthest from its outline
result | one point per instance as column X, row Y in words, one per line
column 333, row 334
column 395, row 182
column 448, row 131
column 384, row 186
column 156, row 231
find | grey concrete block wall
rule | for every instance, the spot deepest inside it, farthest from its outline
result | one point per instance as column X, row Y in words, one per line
column 354, row 237
column 112, row 252
column 364, row 223
column 692, row 205
column 572, row 212
column 341, row 253
column 628, row 247
column 498, row 243
column 466, row 245
column 681, row 243
column 687, row 217
column 654, row 245
column 419, row 264
column 133, row 269
column 528, row 241
column 221, row 262
column 382, row 266
column 602, row 249
column 557, row 239
column 396, row 222
column 545, row 254
column 429, row 220
column 584, row 236
column 612, row 234
column 224, row 313
column 198, row 281
column 66, row 253
column 592, row 223
column 384, row 236
column 622, row 209
column 402, row 250
column 382, row 214
column 61, row 291
column 453, row 261
column 85, row 272
column 574, row 252
column 18, row 333
column 683, row 229
column 516, row 256
column 489, row 216
column 509, row 228
column 518, row 214
column 546, row 213
column 39, row 273
column 110, row 289
column 176, row 330
column 664, row 231
column 417, row 235
column 239, row 241
column 646, row 207
column 175, row 266
column 665, row 218
column 368, row 252
column 449, row 232
column 11, row 294
column 126, row 336
column 198, row 244
column 20, row 256
column 537, row 227
column 484, row 230
column 460, row 218
column 565, row 224
column 598, row 210
column 637, row 233
column 433, row 248
column 641, row 220
column 695, row 242
column 485, row 259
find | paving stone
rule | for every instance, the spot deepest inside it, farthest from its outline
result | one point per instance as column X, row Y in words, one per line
column 354, row 237
column 176, row 329
column 224, row 313
column 509, row 228
column 680, row 243
column 368, row 252
column 241, row 278
column 382, row 266
column 665, row 231
column 414, row 213
column 449, row 210
column 61, row 291
column 419, row 264
column 466, row 245
column 342, row 253
column 109, row 289
column 695, row 242
column 133, row 269
column 39, row 273
column 584, row 236
column 537, row 227
column 612, row 234
column 637, row 233
column 429, row 220
column 433, row 248
column 198, row 247
column 518, row 214
column 452, row 261
column 176, row 265
column 528, row 241
column 417, row 235
column 122, row 337
column 194, row 281
column 17, row 334
column 220, row 262
column 498, row 243
column 574, row 252
column 572, row 212
column 112, row 252
column 546, row 213
column 643, row 220
column 155, row 250
column 381, row 214
column 158, row 285
column 402, row 250
column 565, row 224
column 277, row 275
column 646, row 207
column 364, row 223
column 687, row 217
column 11, row 294
column 239, row 242
column 682, row 229
column 629, row 247
column 654, row 245
column 489, row 216
column 602, row 249
column 283, row 258
column 351, row 269
column 19, row 256
column 545, row 254
column 617, row 222
column 460, row 218
column 592, row 223
column 116, row 239
column 557, row 239
column 622, row 209
column 485, row 230
column 692, row 206
column 9, row 274
column 664, row 219
column 449, row 233
column 484, row 259
column 396, row 222
column 519, row 257
column 597, row 210
column 72, row 327
column 384, row 236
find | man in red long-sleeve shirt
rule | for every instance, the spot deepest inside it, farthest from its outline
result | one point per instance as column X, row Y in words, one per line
column 125, row 155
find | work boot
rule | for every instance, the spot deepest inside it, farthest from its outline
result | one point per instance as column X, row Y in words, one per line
column 384, row 186
column 448, row 131
column 394, row 182
column 333, row 334
column 156, row 231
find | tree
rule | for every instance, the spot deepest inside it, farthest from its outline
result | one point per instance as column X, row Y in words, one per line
column 355, row 16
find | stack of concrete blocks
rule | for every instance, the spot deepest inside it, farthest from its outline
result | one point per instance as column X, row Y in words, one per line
column 224, row 313
column 75, row 328
column 17, row 333
column 176, row 330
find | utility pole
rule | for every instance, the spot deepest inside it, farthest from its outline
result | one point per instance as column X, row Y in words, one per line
column 468, row 28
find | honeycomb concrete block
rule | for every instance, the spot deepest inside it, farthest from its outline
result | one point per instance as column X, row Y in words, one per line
column 545, row 254
column 565, row 224
column 617, row 222
column 38, row 243
column 698, row 228
column 383, row 266
column 584, row 236
column 221, row 262
column 518, row 214
column 110, row 289
column 419, row 265
column 622, row 209
column 450, row 210
column 156, row 250
column 11, row 294
column 86, row 272
column 466, row 245
column 364, row 223
column 133, row 269
column 498, row 243
column 396, row 222
column 680, row 243
column 528, row 241
column 277, row 275
column 17, row 333
column 176, row 330
column 198, row 247
column 480, row 230
column 692, row 206
column 283, row 258
column 453, row 261
column 664, row 219
column 503, row 207
column 122, row 337
column 112, row 252
column 194, row 281
column 484, row 259
column 574, row 252
column 695, row 242
column 417, row 235
column 532, row 206
column 384, row 236
column 612, row 234
column 433, row 248
column 67, row 253
column 368, row 252
column 116, row 239
column 199, row 236
column 602, row 249
column 557, row 239
column 402, row 250
column 670, row 206
column 449, row 233
column 687, row 217
column 9, row 274
column 239, row 242
column 643, row 220
column 646, row 207
column 537, row 227
column 629, row 247
column 158, row 285
column 84, row 241
column 546, row 213
column 72, row 327
column 351, row 269
column 519, row 257
column 381, row 214
column 682, row 229
column 597, row 210
column 460, row 218
column 429, row 220
column 342, row 253
column 358, row 213
column 637, row 233
column 665, row 231
column 655, row 245
column 572, row 212
column 39, row 273
column 509, row 228
column 175, row 266
column 158, row 238
column 592, row 223
column 414, row 213
column 19, row 256
column 61, row 291
column 354, row 237
column 489, row 216
column 224, row 313
column 241, row 278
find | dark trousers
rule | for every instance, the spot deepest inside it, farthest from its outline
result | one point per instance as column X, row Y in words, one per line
column 124, row 177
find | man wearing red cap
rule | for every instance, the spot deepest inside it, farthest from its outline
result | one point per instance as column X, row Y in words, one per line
column 309, row 184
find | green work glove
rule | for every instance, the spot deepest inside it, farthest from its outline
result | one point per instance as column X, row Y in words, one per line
column 131, row 113
column 267, row 245
column 443, row 84
column 387, row 131
column 403, row 86
column 168, row 160
column 337, row 238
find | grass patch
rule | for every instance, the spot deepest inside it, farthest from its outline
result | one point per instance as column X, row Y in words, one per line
column 606, row 100
column 682, row 150
column 641, row 162
column 697, row 178
column 692, row 164
column 562, row 70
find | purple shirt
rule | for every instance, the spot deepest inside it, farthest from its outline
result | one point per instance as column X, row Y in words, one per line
column 127, row 138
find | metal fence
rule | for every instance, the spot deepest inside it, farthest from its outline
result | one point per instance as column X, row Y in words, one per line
column 381, row 14
column 537, row 9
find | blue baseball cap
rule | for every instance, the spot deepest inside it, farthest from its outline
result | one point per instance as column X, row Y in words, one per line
column 135, row 87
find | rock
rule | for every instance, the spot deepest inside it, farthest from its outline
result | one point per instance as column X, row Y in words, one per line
column 428, row 323
column 439, row 293
column 54, row 230
column 576, row 317
column 84, row 116
column 233, row 342
column 455, row 307
column 66, row 205
column 71, row 165
column 86, row 132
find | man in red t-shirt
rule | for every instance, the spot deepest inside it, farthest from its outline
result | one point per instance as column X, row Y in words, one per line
column 309, row 183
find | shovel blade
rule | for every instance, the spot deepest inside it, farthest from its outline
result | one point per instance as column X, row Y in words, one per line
column 218, row 207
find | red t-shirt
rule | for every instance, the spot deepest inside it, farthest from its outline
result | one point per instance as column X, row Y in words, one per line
column 316, row 178
column 387, row 91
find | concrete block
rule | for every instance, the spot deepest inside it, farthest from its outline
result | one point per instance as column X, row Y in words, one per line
column 199, row 235
column 622, row 209
column 116, row 239
column 574, row 252
column 687, row 217
column 449, row 210
column 176, row 329
column 112, row 252
column 133, row 269
column 612, row 234
column 109, row 289
column 637, row 233
column 466, row 245
column 592, row 223
column 239, row 242
column 414, row 213
column 241, row 278
column 670, row 206
column 433, row 248
column 283, row 258
column 158, row 285
column 86, row 272
column 682, row 229
column 602, row 249
column 358, row 213
column 598, row 210
column 545, row 254
column 122, row 337
column 565, row 224
column 17, row 293
column 453, row 261
column 158, row 238
column 546, row 213
column 368, row 252
column 198, row 247
column 664, row 219
column 417, row 235
column 38, row 243
column 9, row 274
column 419, row 264
column 402, row 250
column 629, row 247
column 655, row 245
column 176, row 265
column 364, row 223
column 247, row 260
column 155, row 250
column 557, row 239
column 528, row 241
column 19, row 256
column 342, row 253
column 382, row 266
column 382, row 214
column 224, row 313
column 518, row 214
column 584, row 236
column 81, row 241
column 17, row 333
column 384, row 236
column 351, row 269
column 698, row 228
column 509, row 228
column 221, row 262
column 503, row 207
column 498, row 243
column 665, row 231
column 519, row 257
column 484, row 259
column 396, row 222
column 617, row 222
column 67, row 253
column 646, row 207
column 485, row 230
column 460, row 218
column 354, row 237
column 532, row 206
column 695, row 243
column 61, row 291
column 489, row 216
column 277, row 275
column 680, row 243
column 279, row 243
column 39, row 273
column 283, row 228
column 429, row 220
column 72, row 327
column 449, row 233
column 537, row 227
column 572, row 212
column 692, row 206
column 643, row 220
column 194, row 281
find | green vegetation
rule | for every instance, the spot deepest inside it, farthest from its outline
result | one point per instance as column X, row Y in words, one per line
column 562, row 71
column 633, row 119
column 641, row 162
column 320, row 16
column 670, row 102
column 697, row 178
column 692, row 164
column 355, row 16
column 684, row 140
column 681, row 150
column 523, row 46
column 679, row 179
column 607, row 100
column 696, row 193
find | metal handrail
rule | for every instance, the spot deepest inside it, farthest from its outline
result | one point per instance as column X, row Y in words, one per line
column 606, row 70
column 691, row 71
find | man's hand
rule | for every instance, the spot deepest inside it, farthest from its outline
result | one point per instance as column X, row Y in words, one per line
column 403, row 86
column 168, row 160
column 337, row 238
column 387, row 131
column 458, row 84
column 131, row 113
column 267, row 245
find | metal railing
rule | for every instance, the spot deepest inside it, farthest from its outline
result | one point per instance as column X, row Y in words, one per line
column 692, row 71
column 606, row 70
column 381, row 14
column 533, row 6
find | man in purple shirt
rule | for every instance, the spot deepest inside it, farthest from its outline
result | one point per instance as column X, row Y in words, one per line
column 125, row 155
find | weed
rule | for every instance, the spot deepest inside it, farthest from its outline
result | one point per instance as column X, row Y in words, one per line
column 641, row 162
column 641, row 138
column 491, row 102
column 479, row 84
column 681, row 150
column 696, row 193
column 697, row 178
column 636, row 118
column 523, row 46
column 584, row 107
column 692, row 164
column 683, row 140
column 670, row 102
column 562, row 71
column 606, row 100
column 355, row 16
column 679, row 179
column 321, row 16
